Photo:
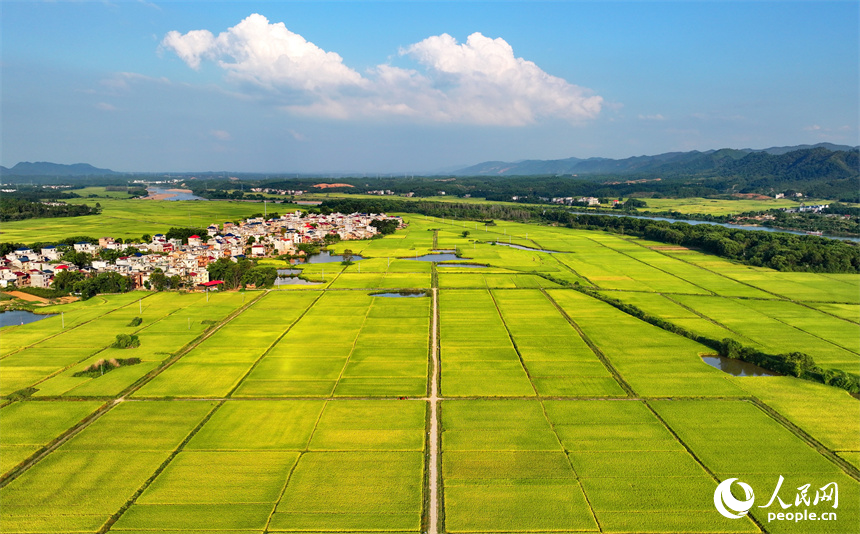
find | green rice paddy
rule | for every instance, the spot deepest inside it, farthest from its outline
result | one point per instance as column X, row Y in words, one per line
column 310, row 409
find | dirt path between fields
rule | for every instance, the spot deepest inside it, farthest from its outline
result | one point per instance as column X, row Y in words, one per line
column 433, row 527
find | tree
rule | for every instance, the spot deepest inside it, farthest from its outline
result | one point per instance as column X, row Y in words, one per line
column 466, row 233
column 66, row 280
column 158, row 280
column 347, row 256
column 385, row 227
column 230, row 272
column 78, row 259
column 262, row 276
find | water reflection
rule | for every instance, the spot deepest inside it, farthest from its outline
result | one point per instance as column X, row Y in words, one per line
column 434, row 257
column 463, row 265
column 736, row 367
column 19, row 317
column 327, row 257
column 521, row 247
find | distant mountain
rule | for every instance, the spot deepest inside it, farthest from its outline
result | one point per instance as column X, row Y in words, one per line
column 672, row 163
column 778, row 150
column 44, row 168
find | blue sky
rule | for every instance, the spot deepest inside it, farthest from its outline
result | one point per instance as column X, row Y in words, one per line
column 418, row 86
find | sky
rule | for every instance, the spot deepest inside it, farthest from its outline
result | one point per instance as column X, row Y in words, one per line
column 419, row 86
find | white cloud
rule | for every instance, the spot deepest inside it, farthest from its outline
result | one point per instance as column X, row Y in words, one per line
column 657, row 117
column 104, row 106
column 265, row 54
column 479, row 82
column 813, row 128
column 221, row 135
column 190, row 47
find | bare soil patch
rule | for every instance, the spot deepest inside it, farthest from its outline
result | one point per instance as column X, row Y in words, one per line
column 26, row 296
column 328, row 186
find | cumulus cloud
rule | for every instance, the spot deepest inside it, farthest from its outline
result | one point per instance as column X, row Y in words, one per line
column 484, row 82
column 265, row 54
column 480, row 81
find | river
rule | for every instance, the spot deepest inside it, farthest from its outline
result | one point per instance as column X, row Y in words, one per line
column 724, row 225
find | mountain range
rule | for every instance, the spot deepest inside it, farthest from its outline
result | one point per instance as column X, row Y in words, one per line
column 44, row 168
column 669, row 163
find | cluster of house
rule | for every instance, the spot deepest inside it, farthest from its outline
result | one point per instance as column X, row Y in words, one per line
column 258, row 237
column 782, row 195
column 816, row 208
column 591, row 201
column 271, row 191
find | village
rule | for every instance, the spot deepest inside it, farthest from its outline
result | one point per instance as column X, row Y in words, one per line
column 251, row 238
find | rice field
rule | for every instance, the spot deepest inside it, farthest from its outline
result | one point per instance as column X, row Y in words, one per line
column 132, row 218
column 312, row 409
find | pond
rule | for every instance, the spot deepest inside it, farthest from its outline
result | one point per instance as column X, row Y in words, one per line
column 294, row 281
column 434, row 257
column 19, row 317
column 289, row 272
column 463, row 265
column 736, row 367
column 327, row 257
column 399, row 294
column 521, row 247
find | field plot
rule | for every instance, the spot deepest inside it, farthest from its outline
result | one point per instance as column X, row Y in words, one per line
column 713, row 206
column 130, row 218
column 503, row 470
column 58, row 351
column 830, row 415
column 217, row 365
column 478, row 357
column 636, row 475
column 417, row 238
column 821, row 336
column 664, row 307
column 348, row 344
column 80, row 485
column 491, row 280
column 736, row 439
column 602, row 258
column 385, row 273
column 25, row 427
column 558, row 361
column 363, row 470
column 653, row 361
column 813, row 287
column 651, row 253
column 846, row 311
column 15, row 338
column 232, row 472
column 189, row 315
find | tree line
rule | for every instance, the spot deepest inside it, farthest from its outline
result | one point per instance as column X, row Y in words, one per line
column 19, row 209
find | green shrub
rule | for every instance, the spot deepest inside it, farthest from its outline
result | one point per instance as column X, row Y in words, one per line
column 125, row 341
